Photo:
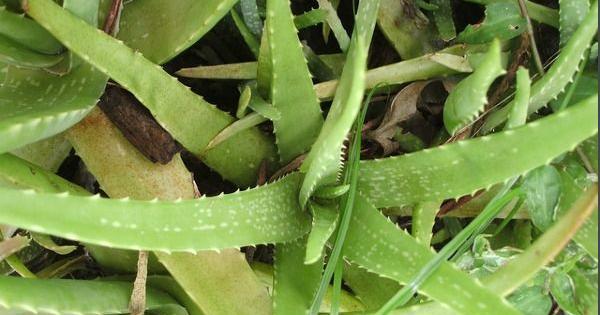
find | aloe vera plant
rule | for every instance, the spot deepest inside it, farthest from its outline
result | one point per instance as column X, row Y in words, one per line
column 310, row 184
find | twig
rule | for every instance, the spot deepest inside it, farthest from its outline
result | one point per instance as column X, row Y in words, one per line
column 137, row 305
column 534, row 50
column 113, row 15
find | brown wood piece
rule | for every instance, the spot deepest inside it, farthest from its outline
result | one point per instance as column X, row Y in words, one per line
column 137, row 125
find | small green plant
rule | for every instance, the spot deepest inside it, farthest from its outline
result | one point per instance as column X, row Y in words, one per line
column 477, row 193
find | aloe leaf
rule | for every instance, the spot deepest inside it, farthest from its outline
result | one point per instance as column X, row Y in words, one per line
column 370, row 288
column 164, row 96
column 295, row 282
column 423, row 219
column 203, row 273
column 416, row 69
column 26, row 296
column 335, row 24
column 18, row 173
column 245, row 123
column 48, row 153
column 170, row 286
column 289, row 69
column 537, row 12
column 247, row 35
column 415, row 177
column 174, row 26
column 323, row 225
column 443, row 19
column 251, row 16
column 586, row 287
column 218, row 222
column 406, row 28
column 469, row 96
column 310, row 18
column 572, row 13
column 205, row 276
column 518, row 113
column 503, row 20
column 324, row 159
column 378, row 245
column 27, row 33
column 558, row 76
column 35, row 104
column 48, row 243
column 16, row 54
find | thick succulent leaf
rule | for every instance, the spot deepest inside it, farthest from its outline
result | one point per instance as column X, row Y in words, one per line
column 443, row 19
column 406, row 27
column 207, row 223
column 324, row 159
column 478, row 163
column 164, row 96
column 324, row 221
column 289, row 69
column 537, row 12
column 572, row 13
column 518, row 114
column 27, row 33
column 18, row 173
column 503, row 20
column 163, row 29
column 335, row 24
column 294, row 283
column 211, row 279
column 423, row 219
column 378, row 245
column 16, row 54
column 29, row 296
column 370, row 288
column 469, row 97
column 561, row 72
column 35, row 104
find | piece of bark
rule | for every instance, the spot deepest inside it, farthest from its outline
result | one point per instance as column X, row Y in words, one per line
column 138, row 126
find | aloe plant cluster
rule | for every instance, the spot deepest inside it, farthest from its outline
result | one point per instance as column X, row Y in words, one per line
column 343, row 205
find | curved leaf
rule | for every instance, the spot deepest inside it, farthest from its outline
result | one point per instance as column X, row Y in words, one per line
column 54, row 296
column 478, row 163
column 207, row 223
column 291, row 90
column 469, row 96
column 164, row 96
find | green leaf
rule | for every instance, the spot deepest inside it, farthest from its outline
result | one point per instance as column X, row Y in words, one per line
column 558, row 76
column 16, row 54
column 503, row 21
column 572, row 13
column 207, row 223
column 35, row 104
column 563, row 291
column 324, row 223
column 378, row 245
column 531, row 301
column 469, row 97
column 162, row 30
column 295, row 282
column 443, row 19
column 542, row 187
column 28, row 296
column 164, row 96
column 289, row 69
column 28, row 33
column 475, row 164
